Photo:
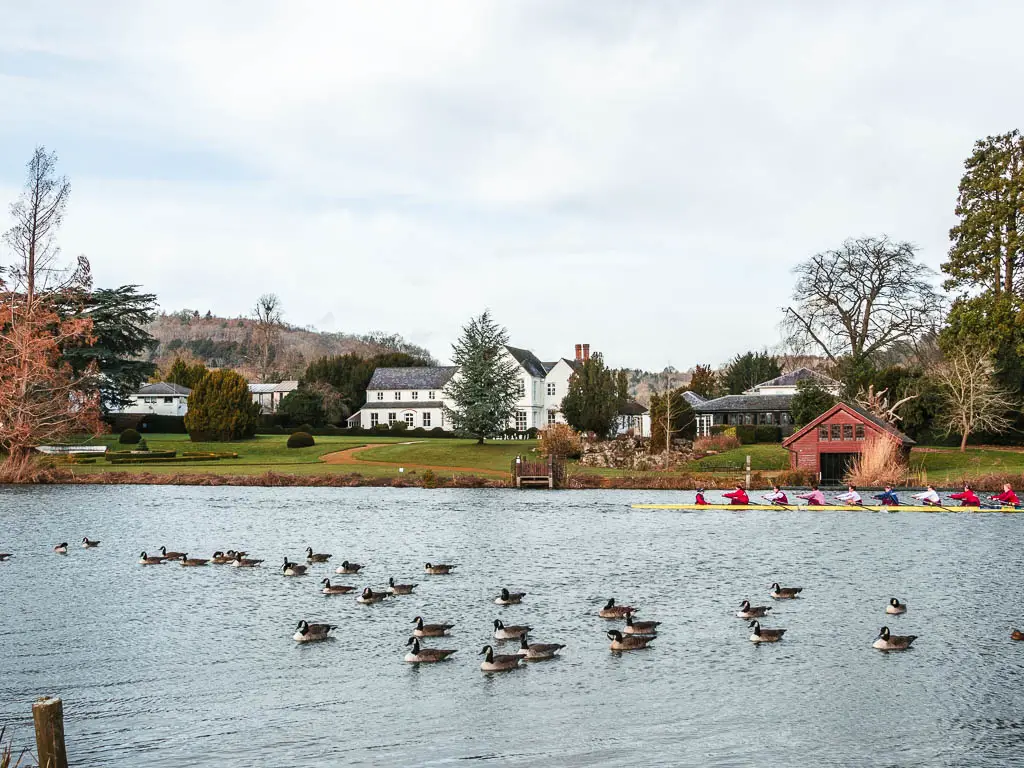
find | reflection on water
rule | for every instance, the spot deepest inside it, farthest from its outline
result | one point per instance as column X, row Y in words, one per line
column 166, row 665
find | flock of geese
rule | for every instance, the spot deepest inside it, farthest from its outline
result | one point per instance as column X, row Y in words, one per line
column 632, row 636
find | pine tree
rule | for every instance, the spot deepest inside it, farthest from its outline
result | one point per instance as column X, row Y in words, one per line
column 750, row 369
column 221, row 408
column 486, row 389
column 594, row 399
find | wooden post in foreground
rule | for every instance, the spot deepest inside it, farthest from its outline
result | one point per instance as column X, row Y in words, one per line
column 48, row 716
column 747, row 486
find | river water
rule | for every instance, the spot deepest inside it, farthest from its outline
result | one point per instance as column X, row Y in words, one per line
column 163, row 665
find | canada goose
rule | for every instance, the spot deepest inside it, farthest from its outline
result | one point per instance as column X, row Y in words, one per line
column 630, row 643
column 784, row 593
column 316, row 557
column 171, row 555
column 400, row 589
column 889, row 642
column 765, row 635
column 441, row 569
column 219, row 558
column 293, row 569
column 347, row 567
column 338, row 589
column 88, row 543
column 640, row 627
column 509, row 598
column 538, row 651
column 233, row 554
column 145, row 559
column 748, row 611
column 613, row 611
column 502, row 663
column 369, row 596
column 5, row 556
column 895, row 607
column 501, row 632
column 425, row 655
column 430, row 630
column 62, row 548
column 308, row 633
column 244, row 562
column 1016, row 634
column 192, row 562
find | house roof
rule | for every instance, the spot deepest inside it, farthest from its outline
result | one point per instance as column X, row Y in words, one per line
column 693, row 398
column 632, row 408
column 164, row 388
column 792, row 378
column 744, row 404
column 856, row 411
column 434, row 377
column 574, row 364
column 528, row 360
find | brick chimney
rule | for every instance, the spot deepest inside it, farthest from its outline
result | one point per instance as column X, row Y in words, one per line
column 586, row 351
column 579, row 351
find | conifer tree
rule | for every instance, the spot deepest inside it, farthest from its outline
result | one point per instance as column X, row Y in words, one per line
column 221, row 408
column 594, row 399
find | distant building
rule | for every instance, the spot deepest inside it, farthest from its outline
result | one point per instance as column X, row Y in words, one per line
column 634, row 420
column 269, row 396
column 162, row 399
column 765, row 403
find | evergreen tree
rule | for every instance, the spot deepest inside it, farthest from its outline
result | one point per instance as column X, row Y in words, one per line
column 747, row 370
column 303, row 406
column 811, row 400
column 486, row 388
column 350, row 374
column 595, row 397
column 221, row 408
column 704, row 382
column 184, row 374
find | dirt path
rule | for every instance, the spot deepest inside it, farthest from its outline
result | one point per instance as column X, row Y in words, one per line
column 350, row 457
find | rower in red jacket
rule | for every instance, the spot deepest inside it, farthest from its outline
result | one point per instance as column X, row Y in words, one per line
column 1007, row 497
column 968, row 498
column 738, row 497
column 700, row 502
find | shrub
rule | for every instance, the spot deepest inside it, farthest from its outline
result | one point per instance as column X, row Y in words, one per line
column 438, row 432
column 716, row 443
column 879, row 463
column 532, row 433
column 221, row 408
column 795, row 477
column 428, row 479
column 303, row 406
column 300, row 440
column 766, row 433
column 142, row 445
column 418, row 431
column 380, row 429
column 560, row 441
column 305, row 427
column 129, row 437
column 398, row 426
column 746, row 434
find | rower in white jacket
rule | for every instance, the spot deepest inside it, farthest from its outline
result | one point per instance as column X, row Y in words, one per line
column 851, row 496
column 929, row 497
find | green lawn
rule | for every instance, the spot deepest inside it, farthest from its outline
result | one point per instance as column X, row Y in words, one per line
column 497, row 455
column 763, row 457
column 944, row 465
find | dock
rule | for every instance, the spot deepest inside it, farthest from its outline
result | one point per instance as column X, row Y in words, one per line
column 537, row 474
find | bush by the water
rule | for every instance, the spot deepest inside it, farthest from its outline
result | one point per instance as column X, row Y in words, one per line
column 560, row 441
column 300, row 440
column 129, row 437
column 221, row 408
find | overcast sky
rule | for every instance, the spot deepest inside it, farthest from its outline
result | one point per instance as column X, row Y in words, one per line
column 641, row 176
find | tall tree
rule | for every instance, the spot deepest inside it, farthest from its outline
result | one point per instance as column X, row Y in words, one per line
column 704, row 382
column 350, row 374
column 185, row 374
column 486, row 388
column 594, row 399
column 221, row 408
column 972, row 400
column 810, row 401
column 266, row 332
column 749, row 369
column 119, row 317
column 860, row 299
column 671, row 418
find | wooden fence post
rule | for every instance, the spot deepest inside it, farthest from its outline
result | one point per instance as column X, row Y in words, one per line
column 747, row 486
column 48, row 716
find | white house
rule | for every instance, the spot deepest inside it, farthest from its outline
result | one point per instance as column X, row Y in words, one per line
column 417, row 397
column 161, row 399
column 269, row 396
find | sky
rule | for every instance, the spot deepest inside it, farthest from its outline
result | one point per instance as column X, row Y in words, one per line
column 641, row 176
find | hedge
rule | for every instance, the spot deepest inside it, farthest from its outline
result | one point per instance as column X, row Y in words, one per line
column 111, row 455
column 746, row 433
column 767, row 433
column 169, row 459
column 300, row 440
column 129, row 437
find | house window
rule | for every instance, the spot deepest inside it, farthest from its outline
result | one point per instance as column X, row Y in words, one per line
column 748, row 418
column 551, row 416
column 380, row 395
column 858, row 432
column 847, row 431
column 521, row 388
column 520, row 421
column 149, row 400
column 784, row 418
column 415, row 395
column 374, row 419
column 426, row 419
column 836, row 432
column 398, row 395
column 551, row 388
column 823, row 433
column 168, row 399
column 410, row 417
column 430, row 395
column 392, row 418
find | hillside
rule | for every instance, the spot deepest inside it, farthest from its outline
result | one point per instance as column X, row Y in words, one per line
column 227, row 342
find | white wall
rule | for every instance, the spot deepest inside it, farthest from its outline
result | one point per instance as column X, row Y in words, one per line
column 177, row 407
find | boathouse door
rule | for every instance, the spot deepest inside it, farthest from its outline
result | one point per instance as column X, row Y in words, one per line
column 834, row 467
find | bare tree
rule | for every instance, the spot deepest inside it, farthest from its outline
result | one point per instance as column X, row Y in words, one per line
column 972, row 401
column 267, row 315
column 877, row 403
column 861, row 299
column 38, row 214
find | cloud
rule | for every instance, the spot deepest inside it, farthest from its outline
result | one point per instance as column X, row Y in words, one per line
column 641, row 177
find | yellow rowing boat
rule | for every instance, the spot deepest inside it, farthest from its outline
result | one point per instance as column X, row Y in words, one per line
column 829, row 508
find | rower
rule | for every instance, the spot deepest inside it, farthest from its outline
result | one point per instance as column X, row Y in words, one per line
column 777, row 496
column 700, row 502
column 851, row 496
column 968, row 498
column 815, row 498
column 928, row 497
column 888, row 497
column 1007, row 497
column 737, row 498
